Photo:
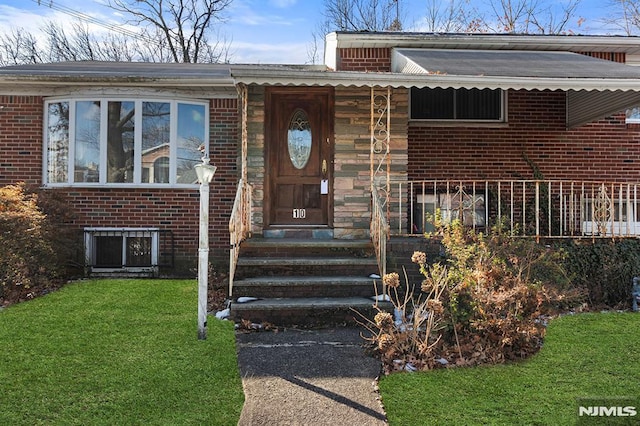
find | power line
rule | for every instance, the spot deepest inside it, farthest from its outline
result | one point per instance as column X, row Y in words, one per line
column 90, row 19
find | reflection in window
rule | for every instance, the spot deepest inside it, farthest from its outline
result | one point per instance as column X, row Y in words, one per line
column 124, row 141
column 633, row 115
column 87, row 146
column 138, row 251
column 120, row 141
column 191, row 119
column 156, row 127
column 299, row 139
column 161, row 170
column 57, row 142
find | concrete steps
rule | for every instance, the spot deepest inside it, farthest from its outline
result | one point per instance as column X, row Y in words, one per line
column 305, row 281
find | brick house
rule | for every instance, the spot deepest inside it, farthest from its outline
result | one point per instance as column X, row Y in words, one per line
column 530, row 129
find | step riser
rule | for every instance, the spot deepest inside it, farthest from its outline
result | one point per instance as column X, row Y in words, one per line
column 304, row 281
column 295, row 252
column 305, row 291
column 303, row 317
column 306, row 270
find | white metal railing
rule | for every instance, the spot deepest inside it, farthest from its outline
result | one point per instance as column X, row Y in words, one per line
column 379, row 230
column 532, row 208
column 239, row 226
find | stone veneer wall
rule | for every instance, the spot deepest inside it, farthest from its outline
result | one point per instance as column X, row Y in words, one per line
column 352, row 197
column 256, row 154
column 352, row 187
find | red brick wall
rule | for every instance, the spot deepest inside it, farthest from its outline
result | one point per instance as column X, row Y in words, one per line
column 21, row 139
column 608, row 56
column 224, row 142
column 607, row 150
column 176, row 210
column 364, row 59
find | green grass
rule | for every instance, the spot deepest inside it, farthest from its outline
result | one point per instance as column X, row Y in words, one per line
column 117, row 352
column 584, row 356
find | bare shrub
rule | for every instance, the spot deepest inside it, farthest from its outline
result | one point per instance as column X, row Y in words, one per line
column 486, row 303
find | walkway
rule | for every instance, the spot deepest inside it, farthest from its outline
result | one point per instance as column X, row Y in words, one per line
column 308, row 377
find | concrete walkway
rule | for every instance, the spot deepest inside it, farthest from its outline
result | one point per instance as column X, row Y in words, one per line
column 308, row 377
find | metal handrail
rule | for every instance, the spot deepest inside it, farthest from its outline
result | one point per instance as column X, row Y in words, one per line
column 379, row 229
column 239, row 227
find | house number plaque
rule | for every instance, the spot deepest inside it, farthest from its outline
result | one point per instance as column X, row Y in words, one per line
column 299, row 213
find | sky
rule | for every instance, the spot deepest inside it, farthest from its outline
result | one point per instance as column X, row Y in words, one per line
column 259, row 31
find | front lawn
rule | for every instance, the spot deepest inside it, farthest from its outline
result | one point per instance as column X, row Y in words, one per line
column 117, row 352
column 594, row 356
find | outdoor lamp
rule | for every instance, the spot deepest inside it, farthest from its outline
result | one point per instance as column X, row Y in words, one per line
column 205, row 173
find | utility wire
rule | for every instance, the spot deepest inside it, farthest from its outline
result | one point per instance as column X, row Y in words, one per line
column 87, row 18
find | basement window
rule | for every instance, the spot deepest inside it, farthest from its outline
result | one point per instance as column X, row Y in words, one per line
column 469, row 209
column 455, row 105
column 611, row 217
column 133, row 250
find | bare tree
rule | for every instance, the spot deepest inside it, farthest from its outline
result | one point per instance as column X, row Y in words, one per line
column 555, row 18
column 445, row 16
column 361, row 15
column 354, row 15
column 185, row 25
column 169, row 31
column 19, row 47
column 624, row 15
column 522, row 16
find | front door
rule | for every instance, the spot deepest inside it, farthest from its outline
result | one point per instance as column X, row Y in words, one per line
column 299, row 156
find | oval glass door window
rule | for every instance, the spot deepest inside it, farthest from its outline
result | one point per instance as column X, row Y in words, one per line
column 299, row 139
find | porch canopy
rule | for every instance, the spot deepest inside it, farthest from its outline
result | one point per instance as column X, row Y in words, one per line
column 595, row 88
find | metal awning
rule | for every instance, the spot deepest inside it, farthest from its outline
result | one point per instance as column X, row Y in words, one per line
column 572, row 72
column 594, row 88
column 508, row 63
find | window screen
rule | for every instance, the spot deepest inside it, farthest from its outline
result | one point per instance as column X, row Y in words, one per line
column 456, row 104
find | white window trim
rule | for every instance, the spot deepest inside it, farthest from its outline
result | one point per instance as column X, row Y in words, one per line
column 631, row 118
column 625, row 225
column 449, row 209
column 173, row 148
column 90, row 249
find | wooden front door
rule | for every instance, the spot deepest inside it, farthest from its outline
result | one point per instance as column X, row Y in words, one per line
column 299, row 152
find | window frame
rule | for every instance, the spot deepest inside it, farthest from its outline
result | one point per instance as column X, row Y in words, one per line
column 453, row 121
column 623, row 217
column 632, row 115
column 447, row 205
column 138, row 100
column 91, row 246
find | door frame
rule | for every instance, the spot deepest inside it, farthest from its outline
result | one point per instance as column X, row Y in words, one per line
column 270, row 118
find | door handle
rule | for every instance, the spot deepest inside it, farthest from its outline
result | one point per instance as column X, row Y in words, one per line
column 324, row 168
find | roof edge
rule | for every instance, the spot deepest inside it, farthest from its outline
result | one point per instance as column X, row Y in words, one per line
column 582, row 43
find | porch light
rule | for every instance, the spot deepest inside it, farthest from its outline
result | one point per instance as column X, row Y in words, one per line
column 205, row 173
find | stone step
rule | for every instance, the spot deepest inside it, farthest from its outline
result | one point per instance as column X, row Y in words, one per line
column 306, row 286
column 310, row 266
column 293, row 247
column 313, row 311
column 304, row 281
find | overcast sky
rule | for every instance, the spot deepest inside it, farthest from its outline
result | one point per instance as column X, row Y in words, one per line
column 260, row 31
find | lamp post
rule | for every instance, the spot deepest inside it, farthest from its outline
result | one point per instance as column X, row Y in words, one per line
column 205, row 172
